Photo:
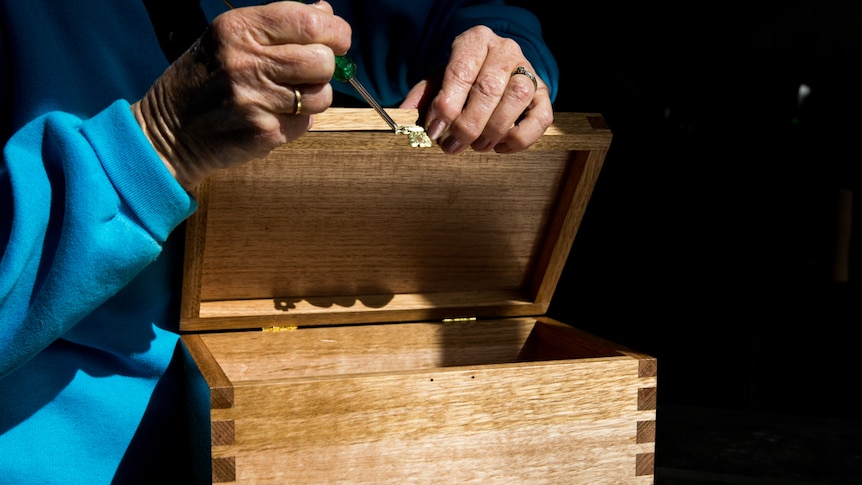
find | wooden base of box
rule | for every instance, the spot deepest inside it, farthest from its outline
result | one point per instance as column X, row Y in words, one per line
column 521, row 400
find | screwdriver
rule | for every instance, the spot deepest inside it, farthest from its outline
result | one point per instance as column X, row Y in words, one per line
column 345, row 71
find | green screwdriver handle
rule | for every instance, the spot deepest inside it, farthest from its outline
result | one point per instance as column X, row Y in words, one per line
column 345, row 68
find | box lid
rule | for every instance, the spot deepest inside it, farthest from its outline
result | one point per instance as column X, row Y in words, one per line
column 350, row 224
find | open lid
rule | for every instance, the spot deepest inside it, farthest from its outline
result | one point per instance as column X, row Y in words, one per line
column 350, row 224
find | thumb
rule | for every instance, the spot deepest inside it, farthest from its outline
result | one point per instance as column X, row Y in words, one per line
column 415, row 96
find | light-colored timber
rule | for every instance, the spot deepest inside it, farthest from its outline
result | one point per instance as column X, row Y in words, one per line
column 404, row 294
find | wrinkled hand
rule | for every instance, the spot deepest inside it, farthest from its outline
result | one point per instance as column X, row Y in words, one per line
column 479, row 103
column 230, row 98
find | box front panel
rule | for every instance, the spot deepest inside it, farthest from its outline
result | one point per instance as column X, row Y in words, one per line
column 508, row 401
column 565, row 423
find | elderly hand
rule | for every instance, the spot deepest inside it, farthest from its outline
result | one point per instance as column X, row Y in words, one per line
column 247, row 86
column 480, row 102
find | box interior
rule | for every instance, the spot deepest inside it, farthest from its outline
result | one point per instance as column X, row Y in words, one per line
column 362, row 349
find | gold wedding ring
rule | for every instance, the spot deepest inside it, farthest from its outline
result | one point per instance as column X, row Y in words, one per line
column 523, row 70
column 297, row 96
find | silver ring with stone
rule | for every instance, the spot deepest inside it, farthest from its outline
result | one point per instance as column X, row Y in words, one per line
column 523, row 70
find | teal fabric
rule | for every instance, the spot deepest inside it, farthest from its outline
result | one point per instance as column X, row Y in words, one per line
column 90, row 226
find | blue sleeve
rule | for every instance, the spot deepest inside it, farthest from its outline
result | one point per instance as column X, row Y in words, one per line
column 396, row 44
column 85, row 205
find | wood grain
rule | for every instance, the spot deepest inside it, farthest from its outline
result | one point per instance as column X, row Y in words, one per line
column 357, row 247
column 379, row 404
column 221, row 388
column 350, row 210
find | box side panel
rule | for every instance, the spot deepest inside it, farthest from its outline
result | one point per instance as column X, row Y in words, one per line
column 197, row 407
column 562, row 422
column 563, row 227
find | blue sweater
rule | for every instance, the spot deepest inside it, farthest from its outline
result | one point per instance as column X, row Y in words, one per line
column 89, row 273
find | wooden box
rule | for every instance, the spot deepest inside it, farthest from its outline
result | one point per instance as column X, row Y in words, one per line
column 362, row 311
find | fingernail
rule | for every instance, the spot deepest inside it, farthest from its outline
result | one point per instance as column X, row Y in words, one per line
column 451, row 145
column 502, row 148
column 481, row 144
column 435, row 129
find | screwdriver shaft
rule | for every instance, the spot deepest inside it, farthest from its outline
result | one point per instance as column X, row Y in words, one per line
column 374, row 104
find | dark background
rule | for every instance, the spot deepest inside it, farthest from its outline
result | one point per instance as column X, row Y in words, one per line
column 711, row 239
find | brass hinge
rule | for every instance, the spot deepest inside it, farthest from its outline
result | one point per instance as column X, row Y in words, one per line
column 459, row 319
column 279, row 329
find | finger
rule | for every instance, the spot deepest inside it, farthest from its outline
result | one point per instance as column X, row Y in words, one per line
column 279, row 23
column 536, row 120
column 414, row 96
column 297, row 23
column 468, row 54
column 291, row 99
column 322, row 5
column 489, row 87
column 267, row 80
column 294, row 126
column 280, row 100
column 518, row 95
column 297, row 64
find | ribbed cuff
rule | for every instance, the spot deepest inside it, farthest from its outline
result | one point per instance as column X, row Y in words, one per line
column 138, row 174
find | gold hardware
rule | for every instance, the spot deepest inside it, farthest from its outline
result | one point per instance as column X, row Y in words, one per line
column 459, row 319
column 279, row 329
column 415, row 135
